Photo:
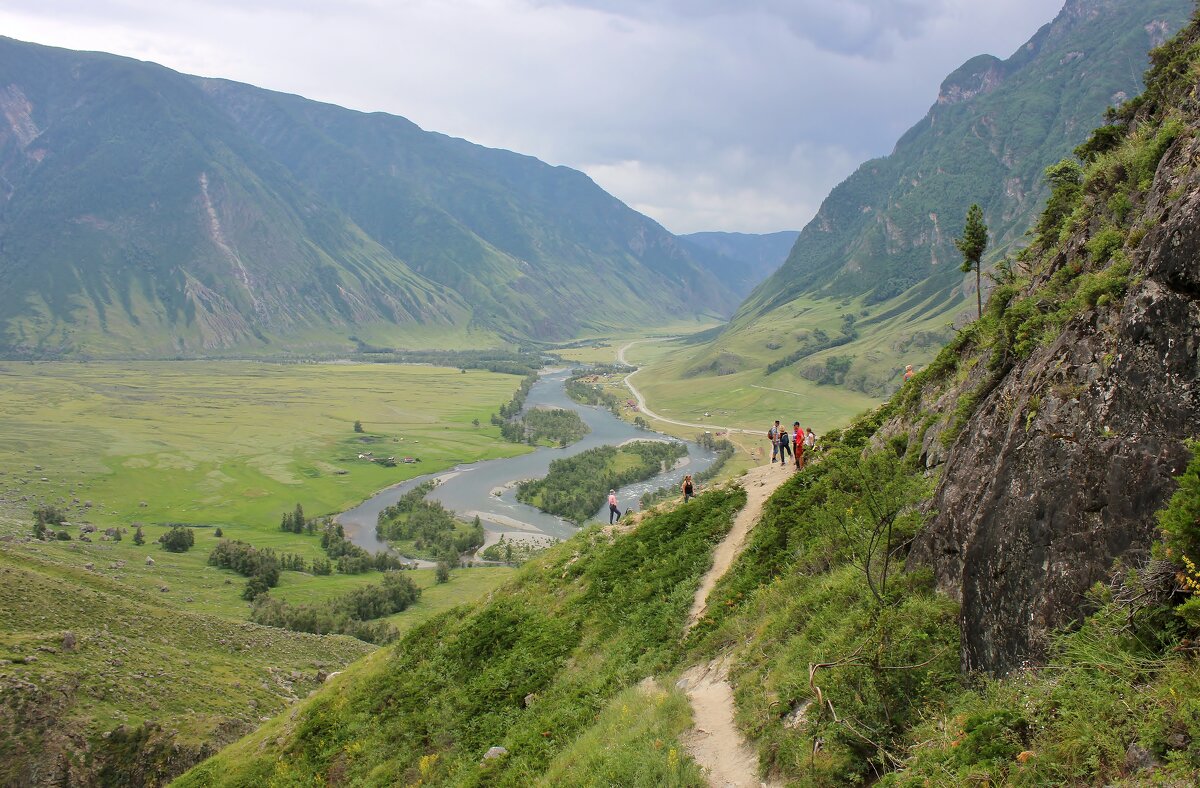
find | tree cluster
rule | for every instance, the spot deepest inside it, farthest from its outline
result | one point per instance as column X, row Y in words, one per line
column 295, row 522
column 353, row 614
column 433, row 530
column 575, row 487
column 178, row 539
column 261, row 567
column 349, row 558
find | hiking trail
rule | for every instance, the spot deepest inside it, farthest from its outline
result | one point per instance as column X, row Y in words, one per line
column 714, row 741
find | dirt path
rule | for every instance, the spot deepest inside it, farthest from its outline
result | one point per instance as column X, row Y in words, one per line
column 760, row 483
column 641, row 399
column 714, row 740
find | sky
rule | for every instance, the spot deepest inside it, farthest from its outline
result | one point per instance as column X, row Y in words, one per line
column 735, row 115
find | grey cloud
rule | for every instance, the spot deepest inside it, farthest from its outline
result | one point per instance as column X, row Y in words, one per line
column 859, row 27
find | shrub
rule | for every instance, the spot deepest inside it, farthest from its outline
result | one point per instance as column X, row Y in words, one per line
column 178, row 539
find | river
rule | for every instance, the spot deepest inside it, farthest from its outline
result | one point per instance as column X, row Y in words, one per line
column 469, row 490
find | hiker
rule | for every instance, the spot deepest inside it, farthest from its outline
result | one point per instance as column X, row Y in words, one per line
column 614, row 514
column 908, row 372
column 688, row 488
column 810, row 440
column 798, row 443
column 785, row 446
column 773, row 437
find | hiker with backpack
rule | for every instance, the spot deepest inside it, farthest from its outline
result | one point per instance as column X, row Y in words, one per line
column 785, row 445
column 689, row 489
column 773, row 437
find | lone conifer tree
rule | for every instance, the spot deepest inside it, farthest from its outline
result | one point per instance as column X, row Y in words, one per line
column 974, row 240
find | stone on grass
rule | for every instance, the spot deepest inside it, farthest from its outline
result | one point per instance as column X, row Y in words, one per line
column 494, row 752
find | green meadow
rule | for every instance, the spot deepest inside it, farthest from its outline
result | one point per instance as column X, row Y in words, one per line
column 231, row 443
column 163, row 636
column 727, row 378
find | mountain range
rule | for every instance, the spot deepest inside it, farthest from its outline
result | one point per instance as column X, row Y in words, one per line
column 146, row 212
column 881, row 247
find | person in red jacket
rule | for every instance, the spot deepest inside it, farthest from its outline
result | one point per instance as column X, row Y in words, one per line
column 798, row 445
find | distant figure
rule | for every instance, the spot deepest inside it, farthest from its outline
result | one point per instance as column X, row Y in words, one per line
column 773, row 437
column 798, row 443
column 688, row 488
column 908, row 372
column 614, row 514
column 810, row 439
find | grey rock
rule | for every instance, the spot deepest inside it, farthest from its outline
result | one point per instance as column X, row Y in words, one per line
column 68, row 641
column 1139, row 759
column 149, row 561
column 1071, row 451
column 494, row 752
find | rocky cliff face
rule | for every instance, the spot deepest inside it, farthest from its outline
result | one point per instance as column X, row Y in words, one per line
column 1053, row 480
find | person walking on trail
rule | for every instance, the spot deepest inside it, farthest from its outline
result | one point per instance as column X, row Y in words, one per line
column 798, row 442
column 785, row 446
column 773, row 437
column 689, row 489
column 614, row 514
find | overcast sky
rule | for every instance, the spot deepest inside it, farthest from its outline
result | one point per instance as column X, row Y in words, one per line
column 704, row 114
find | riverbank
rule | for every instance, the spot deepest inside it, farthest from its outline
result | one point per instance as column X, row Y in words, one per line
column 470, row 490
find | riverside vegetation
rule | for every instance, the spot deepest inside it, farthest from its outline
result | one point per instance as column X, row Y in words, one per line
column 425, row 529
column 845, row 650
column 538, row 426
column 575, row 487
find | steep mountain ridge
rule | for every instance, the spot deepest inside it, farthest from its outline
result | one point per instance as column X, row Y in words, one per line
column 993, row 129
column 538, row 247
column 1063, row 446
column 145, row 212
column 881, row 247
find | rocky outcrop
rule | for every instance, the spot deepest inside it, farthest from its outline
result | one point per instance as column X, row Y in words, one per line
column 1056, row 477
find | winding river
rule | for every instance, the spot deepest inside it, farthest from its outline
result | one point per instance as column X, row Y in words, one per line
column 487, row 489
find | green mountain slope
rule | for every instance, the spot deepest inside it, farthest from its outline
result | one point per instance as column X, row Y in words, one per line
column 137, row 219
column 880, row 249
column 146, row 212
column 996, row 126
column 536, row 249
column 146, row 688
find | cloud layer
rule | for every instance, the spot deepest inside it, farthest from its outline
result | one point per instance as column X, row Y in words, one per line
column 704, row 114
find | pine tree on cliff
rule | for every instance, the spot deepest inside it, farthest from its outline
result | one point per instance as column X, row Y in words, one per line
column 974, row 240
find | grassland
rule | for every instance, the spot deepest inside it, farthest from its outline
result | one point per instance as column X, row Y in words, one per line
column 163, row 637
column 727, row 378
column 233, row 444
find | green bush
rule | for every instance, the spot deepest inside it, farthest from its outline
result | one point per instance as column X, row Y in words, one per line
column 178, row 539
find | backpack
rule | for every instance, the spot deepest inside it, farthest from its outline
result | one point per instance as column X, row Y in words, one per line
column 773, row 433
